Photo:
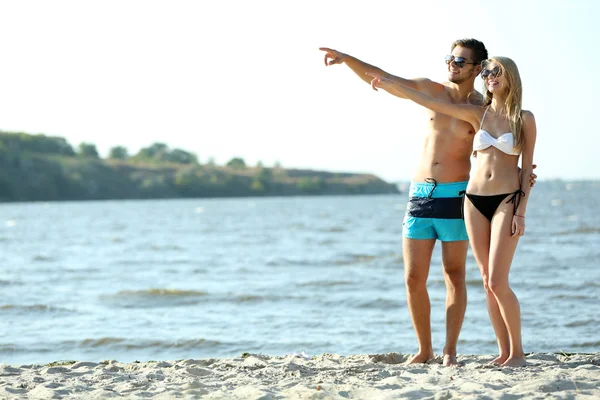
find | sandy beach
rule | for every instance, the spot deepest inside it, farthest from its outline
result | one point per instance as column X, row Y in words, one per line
column 298, row 376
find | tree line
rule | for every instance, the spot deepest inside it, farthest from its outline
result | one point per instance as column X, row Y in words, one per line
column 46, row 168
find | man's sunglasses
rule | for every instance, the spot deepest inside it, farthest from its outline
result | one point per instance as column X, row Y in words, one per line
column 458, row 61
column 491, row 73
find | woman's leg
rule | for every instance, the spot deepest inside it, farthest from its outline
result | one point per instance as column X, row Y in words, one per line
column 478, row 229
column 502, row 250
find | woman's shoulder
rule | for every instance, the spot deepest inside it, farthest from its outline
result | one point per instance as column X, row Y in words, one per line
column 527, row 116
column 528, row 122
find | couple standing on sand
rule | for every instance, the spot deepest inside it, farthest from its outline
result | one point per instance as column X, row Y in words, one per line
column 495, row 129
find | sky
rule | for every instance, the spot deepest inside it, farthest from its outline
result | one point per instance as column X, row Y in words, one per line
column 238, row 78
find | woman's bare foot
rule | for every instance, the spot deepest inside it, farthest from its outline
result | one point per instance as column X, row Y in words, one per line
column 514, row 362
column 498, row 360
column 450, row 360
column 420, row 358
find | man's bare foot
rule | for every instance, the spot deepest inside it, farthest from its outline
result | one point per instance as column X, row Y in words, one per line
column 498, row 360
column 420, row 358
column 514, row 362
column 450, row 360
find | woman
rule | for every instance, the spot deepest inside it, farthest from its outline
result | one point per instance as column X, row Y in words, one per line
column 496, row 196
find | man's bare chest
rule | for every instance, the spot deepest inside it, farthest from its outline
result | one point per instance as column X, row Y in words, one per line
column 443, row 123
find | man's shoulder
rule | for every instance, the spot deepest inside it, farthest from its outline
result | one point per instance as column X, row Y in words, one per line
column 476, row 98
column 438, row 88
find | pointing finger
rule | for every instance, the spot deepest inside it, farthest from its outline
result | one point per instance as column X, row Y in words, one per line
column 374, row 83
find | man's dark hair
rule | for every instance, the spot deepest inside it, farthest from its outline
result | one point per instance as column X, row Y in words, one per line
column 479, row 51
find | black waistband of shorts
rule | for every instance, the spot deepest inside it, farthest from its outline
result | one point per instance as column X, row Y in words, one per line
column 437, row 207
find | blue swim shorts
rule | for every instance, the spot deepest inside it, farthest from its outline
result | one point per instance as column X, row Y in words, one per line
column 434, row 211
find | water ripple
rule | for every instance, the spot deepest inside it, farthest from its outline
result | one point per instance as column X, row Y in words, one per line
column 33, row 308
column 154, row 298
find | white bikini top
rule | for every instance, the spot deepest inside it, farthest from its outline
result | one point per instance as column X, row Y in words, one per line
column 504, row 143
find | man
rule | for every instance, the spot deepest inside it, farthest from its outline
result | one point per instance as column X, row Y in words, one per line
column 435, row 203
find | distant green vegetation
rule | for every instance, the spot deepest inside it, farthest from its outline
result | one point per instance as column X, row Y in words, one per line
column 46, row 168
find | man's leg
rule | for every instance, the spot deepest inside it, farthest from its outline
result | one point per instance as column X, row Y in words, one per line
column 454, row 257
column 417, row 257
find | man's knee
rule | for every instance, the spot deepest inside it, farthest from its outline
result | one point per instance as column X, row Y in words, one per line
column 454, row 259
column 455, row 275
column 415, row 281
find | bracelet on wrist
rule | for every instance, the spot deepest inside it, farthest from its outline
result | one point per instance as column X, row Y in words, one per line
column 520, row 216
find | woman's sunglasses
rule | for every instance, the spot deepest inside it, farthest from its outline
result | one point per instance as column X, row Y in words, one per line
column 491, row 73
column 458, row 61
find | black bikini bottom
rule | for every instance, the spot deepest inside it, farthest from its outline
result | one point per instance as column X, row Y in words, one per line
column 487, row 205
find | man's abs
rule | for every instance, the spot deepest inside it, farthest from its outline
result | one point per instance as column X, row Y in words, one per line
column 445, row 157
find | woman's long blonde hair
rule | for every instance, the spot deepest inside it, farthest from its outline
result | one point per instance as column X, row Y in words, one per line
column 514, row 97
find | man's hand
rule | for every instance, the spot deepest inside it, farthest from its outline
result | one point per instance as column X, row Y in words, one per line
column 336, row 56
column 518, row 225
column 533, row 177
